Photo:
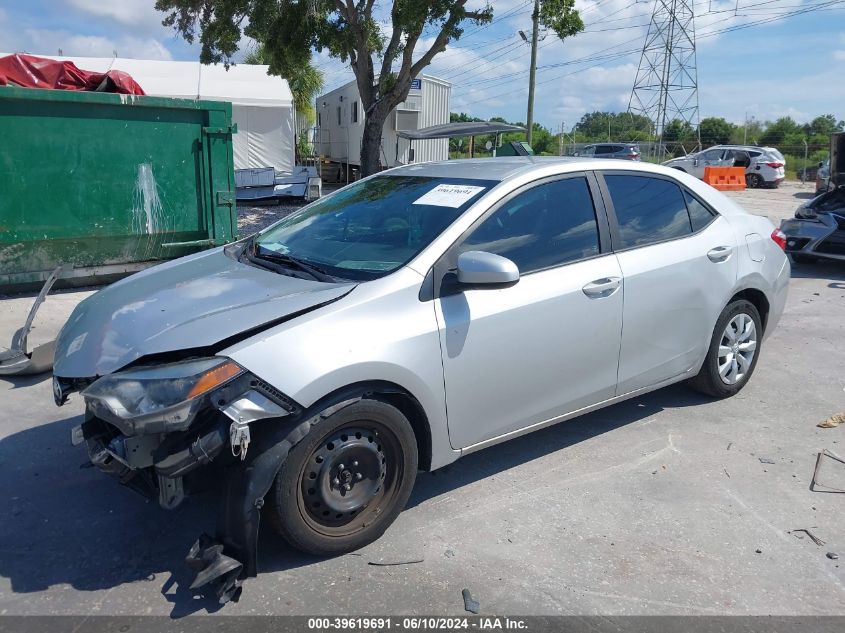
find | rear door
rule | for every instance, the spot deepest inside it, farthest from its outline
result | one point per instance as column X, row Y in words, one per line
column 679, row 264
column 519, row 356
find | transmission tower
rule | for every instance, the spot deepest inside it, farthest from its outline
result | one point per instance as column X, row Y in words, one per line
column 666, row 86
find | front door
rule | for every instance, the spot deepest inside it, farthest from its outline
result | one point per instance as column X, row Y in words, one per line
column 548, row 345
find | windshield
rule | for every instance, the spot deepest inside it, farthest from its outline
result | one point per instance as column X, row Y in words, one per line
column 370, row 228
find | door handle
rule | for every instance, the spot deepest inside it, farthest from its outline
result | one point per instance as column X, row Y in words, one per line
column 719, row 254
column 602, row 287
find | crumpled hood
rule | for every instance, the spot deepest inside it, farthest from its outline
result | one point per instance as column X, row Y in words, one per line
column 195, row 301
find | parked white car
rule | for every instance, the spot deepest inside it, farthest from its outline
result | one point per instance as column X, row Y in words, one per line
column 765, row 165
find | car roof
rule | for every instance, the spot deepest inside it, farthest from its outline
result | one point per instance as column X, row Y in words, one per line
column 496, row 168
column 526, row 168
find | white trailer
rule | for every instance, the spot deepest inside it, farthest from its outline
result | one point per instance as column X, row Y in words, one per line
column 340, row 126
column 262, row 106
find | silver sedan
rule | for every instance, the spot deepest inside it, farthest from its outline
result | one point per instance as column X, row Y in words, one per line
column 406, row 320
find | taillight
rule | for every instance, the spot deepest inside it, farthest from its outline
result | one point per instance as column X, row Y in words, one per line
column 633, row 156
column 779, row 238
column 774, row 165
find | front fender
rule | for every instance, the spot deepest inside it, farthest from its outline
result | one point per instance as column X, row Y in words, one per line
column 381, row 332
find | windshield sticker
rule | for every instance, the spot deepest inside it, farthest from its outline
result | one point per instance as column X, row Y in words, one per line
column 449, row 195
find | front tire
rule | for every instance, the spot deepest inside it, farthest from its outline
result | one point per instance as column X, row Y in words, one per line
column 733, row 352
column 342, row 486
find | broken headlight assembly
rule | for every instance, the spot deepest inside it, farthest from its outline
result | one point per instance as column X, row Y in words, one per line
column 158, row 399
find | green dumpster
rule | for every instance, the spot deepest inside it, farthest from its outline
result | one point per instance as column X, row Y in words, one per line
column 108, row 184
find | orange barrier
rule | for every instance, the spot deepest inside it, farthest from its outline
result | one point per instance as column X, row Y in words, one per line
column 725, row 178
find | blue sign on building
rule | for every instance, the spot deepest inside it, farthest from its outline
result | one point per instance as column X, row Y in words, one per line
column 416, row 84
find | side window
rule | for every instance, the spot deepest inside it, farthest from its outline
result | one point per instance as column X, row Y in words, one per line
column 338, row 115
column 648, row 209
column 590, row 150
column 699, row 215
column 603, row 149
column 713, row 154
column 355, row 112
column 548, row 225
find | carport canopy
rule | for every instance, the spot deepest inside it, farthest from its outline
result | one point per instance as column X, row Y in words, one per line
column 448, row 130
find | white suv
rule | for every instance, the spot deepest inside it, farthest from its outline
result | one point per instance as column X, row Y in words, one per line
column 765, row 165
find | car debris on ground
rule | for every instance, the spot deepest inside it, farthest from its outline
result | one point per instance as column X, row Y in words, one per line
column 470, row 604
column 823, row 457
column 832, row 422
column 17, row 360
column 812, row 536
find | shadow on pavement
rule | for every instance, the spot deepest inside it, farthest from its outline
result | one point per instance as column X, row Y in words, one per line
column 67, row 523
column 830, row 270
column 551, row 439
column 19, row 382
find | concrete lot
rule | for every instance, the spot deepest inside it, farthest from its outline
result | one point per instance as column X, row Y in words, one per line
column 665, row 504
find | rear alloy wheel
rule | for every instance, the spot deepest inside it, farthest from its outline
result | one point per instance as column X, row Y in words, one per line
column 733, row 352
column 346, row 482
column 753, row 181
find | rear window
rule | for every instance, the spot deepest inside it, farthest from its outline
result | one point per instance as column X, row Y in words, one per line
column 648, row 209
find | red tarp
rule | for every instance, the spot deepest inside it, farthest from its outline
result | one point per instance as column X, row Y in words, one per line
column 30, row 71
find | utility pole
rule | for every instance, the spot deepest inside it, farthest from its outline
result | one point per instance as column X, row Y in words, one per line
column 560, row 140
column 745, row 131
column 535, row 18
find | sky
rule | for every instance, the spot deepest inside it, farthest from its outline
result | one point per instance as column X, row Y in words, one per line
column 757, row 58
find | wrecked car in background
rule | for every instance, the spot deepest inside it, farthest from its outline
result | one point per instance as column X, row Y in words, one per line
column 818, row 229
column 307, row 370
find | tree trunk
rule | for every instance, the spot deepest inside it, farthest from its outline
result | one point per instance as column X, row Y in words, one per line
column 371, row 141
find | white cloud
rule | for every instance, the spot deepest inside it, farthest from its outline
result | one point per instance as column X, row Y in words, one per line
column 138, row 14
column 839, row 55
column 48, row 42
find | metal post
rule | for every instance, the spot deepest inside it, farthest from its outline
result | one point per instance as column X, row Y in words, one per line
column 532, row 73
column 804, row 172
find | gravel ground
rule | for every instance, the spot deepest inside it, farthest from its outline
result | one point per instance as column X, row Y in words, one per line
column 252, row 219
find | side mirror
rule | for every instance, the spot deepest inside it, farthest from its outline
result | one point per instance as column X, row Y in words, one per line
column 695, row 162
column 821, row 164
column 479, row 268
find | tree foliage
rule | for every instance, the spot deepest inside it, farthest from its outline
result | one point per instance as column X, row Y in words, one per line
column 617, row 126
column 715, row 131
column 384, row 64
column 305, row 83
column 561, row 17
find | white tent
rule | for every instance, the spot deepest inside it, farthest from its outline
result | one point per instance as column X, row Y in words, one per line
column 262, row 105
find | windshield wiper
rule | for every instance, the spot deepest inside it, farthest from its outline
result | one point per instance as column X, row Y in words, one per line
column 261, row 252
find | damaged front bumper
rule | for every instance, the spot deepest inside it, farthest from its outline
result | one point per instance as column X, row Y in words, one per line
column 231, row 436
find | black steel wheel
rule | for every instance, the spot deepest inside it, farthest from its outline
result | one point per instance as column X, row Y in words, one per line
column 345, row 483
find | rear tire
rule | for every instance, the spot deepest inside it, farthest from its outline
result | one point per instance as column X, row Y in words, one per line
column 753, row 181
column 733, row 352
column 342, row 486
